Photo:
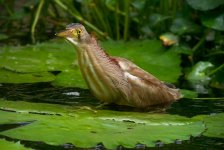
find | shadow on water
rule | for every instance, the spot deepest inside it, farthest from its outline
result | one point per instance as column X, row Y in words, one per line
column 46, row 93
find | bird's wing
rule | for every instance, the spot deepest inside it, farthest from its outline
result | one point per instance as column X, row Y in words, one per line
column 146, row 89
column 134, row 72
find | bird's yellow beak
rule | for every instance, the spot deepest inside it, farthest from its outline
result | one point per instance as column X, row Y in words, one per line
column 63, row 34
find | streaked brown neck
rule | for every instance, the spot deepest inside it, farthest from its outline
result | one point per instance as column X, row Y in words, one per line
column 96, row 65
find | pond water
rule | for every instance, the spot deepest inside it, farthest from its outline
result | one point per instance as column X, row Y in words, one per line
column 44, row 92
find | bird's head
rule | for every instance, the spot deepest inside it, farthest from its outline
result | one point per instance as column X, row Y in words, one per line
column 75, row 33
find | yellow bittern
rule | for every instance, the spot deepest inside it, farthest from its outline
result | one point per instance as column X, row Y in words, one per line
column 114, row 79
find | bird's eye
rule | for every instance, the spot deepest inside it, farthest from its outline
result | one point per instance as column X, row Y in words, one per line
column 78, row 31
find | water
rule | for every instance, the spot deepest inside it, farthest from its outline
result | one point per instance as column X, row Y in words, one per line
column 45, row 93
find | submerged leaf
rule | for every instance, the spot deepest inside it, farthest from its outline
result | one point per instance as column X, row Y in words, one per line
column 86, row 128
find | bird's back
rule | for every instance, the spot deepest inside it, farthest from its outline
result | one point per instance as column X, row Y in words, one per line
column 145, row 89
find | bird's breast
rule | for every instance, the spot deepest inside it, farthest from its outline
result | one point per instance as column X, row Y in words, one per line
column 94, row 74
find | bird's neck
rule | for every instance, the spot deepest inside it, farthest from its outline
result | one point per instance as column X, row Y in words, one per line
column 96, row 67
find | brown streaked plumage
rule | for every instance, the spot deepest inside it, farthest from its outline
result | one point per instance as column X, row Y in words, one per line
column 114, row 79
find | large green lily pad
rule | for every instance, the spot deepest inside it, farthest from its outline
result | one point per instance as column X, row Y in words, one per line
column 214, row 124
column 59, row 55
column 86, row 128
column 6, row 145
column 50, row 56
column 71, row 77
column 8, row 76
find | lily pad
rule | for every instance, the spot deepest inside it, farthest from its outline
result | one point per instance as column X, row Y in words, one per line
column 58, row 55
column 86, row 127
column 205, row 4
column 6, row 145
column 70, row 78
column 214, row 124
column 50, row 56
column 7, row 76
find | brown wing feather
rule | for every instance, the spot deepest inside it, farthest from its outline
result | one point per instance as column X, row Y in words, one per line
column 146, row 89
column 130, row 67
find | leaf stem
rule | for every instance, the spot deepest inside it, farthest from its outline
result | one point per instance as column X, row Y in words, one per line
column 126, row 20
column 80, row 18
column 37, row 15
column 209, row 98
column 216, row 70
column 200, row 42
column 117, row 21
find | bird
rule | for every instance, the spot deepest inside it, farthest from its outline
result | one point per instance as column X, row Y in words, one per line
column 114, row 79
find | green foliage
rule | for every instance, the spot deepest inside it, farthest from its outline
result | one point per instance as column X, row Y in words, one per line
column 214, row 21
column 205, row 5
column 188, row 94
column 199, row 76
column 183, row 26
column 198, row 73
column 86, row 128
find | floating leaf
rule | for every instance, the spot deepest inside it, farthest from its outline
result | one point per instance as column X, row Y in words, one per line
column 214, row 21
column 205, row 4
column 6, row 145
column 86, row 128
column 7, row 76
column 70, row 78
column 51, row 56
column 60, row 56
column 214, row 123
